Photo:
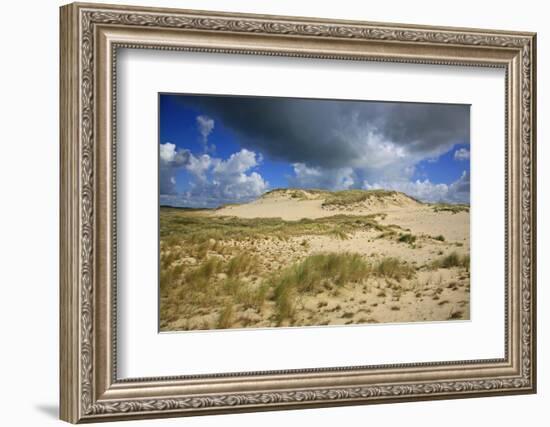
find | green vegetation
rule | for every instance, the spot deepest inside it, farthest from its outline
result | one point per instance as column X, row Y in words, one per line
column 348, row 197
column 455, row 315
column 323, row 271
column 342, row 197
column 315, row 274
column 225, row 317
column 312, row 274
column 243, row 293
column 297, row 193
column 452, row 260
column 313, row 271
column 226, row 272
column 394, row 268
column 242, row 263
column 178, row 227
column 252, row 297
column 454, row 209
column 339, row 234
column 198, row 278
column 407, row 238
column 208, row 261
column 387, row 234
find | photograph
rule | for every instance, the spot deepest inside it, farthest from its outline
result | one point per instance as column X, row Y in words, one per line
column 279, row 212
column 263, row 212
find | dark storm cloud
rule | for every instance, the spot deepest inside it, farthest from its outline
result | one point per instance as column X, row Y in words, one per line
column 334, row 134
column 424, row 126
column 459, row 191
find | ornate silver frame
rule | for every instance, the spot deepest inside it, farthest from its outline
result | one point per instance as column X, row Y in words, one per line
column 90, row 36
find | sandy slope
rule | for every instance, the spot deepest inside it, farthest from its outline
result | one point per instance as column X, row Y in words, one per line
column 407, row 213
column 284, row 208
column 432, row 295
column 281, row 204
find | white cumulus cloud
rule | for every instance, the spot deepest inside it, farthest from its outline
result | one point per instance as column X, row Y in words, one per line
column 237, row 163
column 316, row 177
column 199, row 165
column 427, row 191
column 214, row 180
column 167, row 152
column 462, row 154
column 206, row 126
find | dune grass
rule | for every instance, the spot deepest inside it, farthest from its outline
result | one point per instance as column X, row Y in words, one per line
column 254, row 298
column 452, row 260
column 312, row 274
column 454, row 209
column 297, row 193
column 348, row 197
column 387, row 234
column 342, row 197
column 203, row 287
column 181, row 227
column 225, row 316
column 214, row 275
column 394, row 268
column 198, row 278
column 407, row 238
column 323, row 271
column 242, row 263
column 339, row 234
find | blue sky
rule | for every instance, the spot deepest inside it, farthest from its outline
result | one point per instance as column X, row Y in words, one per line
column 229, row 149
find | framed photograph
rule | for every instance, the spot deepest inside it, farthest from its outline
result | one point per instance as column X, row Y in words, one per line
column 265, row 212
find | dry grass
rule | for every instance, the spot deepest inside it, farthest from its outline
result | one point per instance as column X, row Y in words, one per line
column 455, row 314
column 243, row 263
column 178, row 226
column 394, row 268
column 311, row 274
column 451, row 260
column 454, row 209
column 296, row 193
column 339, row 234
column 285, row 301
column 321, row 271
column 251, row 297
column 341, row 268
column 214, row 273
column 407, row 238
column 348, row 197
column 387, row 234
column 225, row 317
column 198, row 278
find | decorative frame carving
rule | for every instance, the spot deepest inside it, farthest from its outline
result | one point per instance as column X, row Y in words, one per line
column 90, row 36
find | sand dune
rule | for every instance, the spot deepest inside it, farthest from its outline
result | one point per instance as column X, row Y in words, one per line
column 292, row 205
column 286, row 209
column 426, row 245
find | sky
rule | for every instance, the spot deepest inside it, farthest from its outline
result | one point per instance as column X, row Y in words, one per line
column 215, row 150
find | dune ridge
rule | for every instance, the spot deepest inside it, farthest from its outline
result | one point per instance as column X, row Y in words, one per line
column 292, row 204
